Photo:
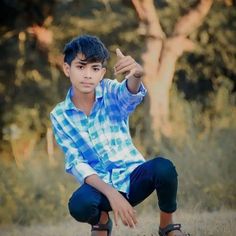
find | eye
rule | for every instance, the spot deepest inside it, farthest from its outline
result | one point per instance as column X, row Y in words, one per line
column 80, row 67
column 96, row 69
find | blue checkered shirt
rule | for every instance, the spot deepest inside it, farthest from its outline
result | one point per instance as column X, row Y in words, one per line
column 99, row 143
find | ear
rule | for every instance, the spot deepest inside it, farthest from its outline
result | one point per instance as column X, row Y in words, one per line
column 103, row 72
column 66, row 69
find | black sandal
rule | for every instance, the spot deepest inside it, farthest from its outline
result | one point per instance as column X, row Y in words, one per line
column 169, row 228
column 103, row 227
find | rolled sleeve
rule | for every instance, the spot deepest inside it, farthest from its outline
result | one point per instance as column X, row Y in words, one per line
column 81, row 171
column 128, row 95
column 75, row 164
column 128, row 101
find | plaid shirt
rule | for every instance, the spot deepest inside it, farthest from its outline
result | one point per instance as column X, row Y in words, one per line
column 99, row 143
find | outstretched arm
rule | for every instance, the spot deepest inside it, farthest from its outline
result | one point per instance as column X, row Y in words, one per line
column 134, row 71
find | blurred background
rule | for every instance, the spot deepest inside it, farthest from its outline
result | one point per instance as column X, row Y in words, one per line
column 188, row 50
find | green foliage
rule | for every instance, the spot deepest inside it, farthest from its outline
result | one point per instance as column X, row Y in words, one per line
column 202, row 146
column 38, row 192
column 33, row 82
column 200, row 75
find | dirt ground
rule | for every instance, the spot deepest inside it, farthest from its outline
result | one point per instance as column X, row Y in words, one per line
column 221, row 223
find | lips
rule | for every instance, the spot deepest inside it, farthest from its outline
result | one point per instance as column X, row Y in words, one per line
column 86, row 84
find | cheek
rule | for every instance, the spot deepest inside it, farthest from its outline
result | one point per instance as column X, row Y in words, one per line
column 74, row 78
column 99, row 77
column 101, row 74
column 75, row 74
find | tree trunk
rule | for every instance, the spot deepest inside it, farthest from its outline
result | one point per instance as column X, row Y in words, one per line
column 161, row 55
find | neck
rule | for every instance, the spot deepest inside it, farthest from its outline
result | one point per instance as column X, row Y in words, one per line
column 84, row 97
column 83, row 101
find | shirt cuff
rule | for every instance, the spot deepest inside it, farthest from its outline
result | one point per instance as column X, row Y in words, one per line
column 141, row 92
column 82, row 170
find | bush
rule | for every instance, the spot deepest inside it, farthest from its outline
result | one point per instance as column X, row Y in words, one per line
column 38, row 192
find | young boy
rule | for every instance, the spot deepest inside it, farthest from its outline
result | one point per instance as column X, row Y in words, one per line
column 91, row 127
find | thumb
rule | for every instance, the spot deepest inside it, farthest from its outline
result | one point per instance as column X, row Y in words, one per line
column 119, row 53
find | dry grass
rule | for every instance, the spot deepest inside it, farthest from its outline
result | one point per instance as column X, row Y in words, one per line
column 221, row 223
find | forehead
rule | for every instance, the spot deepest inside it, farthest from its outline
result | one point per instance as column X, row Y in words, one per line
column 80, row 58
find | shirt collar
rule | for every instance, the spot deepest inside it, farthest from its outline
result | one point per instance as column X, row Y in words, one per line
column 69, row 105
column 99, row 90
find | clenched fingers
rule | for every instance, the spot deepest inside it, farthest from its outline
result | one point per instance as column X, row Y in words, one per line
column 125, row 61
column 127, row 68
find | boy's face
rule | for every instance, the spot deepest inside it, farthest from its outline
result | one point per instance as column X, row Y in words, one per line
column 84, row 76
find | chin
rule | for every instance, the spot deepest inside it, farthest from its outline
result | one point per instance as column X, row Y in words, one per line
column 87, row 91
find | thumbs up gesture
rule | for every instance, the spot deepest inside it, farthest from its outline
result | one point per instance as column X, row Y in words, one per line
column 128, row 66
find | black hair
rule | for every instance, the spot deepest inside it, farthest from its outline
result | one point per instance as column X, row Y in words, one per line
column 90, row 46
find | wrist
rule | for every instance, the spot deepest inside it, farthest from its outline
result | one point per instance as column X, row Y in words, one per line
column 108, row 190
column 138, row 75
column 111, row 191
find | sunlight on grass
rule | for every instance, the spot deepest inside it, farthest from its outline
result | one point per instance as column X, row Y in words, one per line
column 221, row 223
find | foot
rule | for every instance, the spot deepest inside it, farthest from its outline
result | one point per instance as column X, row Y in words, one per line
column 104, row 217
column 167, row 225
column 176, row 233
column 103, row 220
column 172, row 230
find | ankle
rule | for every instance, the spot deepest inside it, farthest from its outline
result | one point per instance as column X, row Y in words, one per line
column 165, row 219
column 103, row 218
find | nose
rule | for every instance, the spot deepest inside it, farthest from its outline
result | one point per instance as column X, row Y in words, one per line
column 87, row 74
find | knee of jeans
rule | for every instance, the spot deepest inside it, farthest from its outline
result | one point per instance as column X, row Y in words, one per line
column 80, row 207
column 164, row 169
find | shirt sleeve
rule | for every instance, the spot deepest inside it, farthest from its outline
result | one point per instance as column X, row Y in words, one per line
column 125, row 100
column 75, row 164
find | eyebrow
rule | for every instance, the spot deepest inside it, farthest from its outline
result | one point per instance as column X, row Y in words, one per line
column 83, row 62
column 96, row 65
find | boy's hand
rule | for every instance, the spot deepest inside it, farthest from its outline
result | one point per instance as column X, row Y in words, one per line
column 121, row 208
column 127, row 65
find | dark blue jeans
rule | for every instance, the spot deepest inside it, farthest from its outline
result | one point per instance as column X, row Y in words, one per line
column 159, row 174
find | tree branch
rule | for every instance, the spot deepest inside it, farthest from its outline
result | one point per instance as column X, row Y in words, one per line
column 147, row 14
column 172, row 50
column 193, row 19
column 139, row 9
column 43, row 35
